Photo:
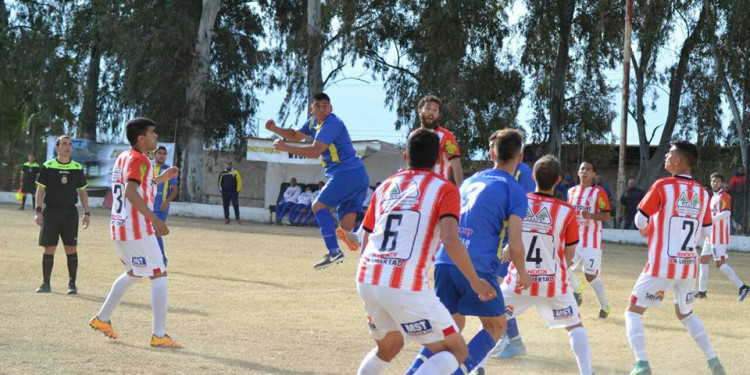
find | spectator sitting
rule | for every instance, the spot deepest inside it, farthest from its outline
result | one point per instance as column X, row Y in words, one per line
column 304, row 204
column 630, row 199
column 303, row 220
column 290, row 199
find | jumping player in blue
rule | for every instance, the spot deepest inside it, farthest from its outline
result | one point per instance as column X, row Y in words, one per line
column 348, row 180
column 492, row 203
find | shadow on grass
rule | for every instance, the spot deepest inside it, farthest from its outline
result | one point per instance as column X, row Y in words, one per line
column 143, row 306
column 222, row 278
column 232, row 362
column 565, row 365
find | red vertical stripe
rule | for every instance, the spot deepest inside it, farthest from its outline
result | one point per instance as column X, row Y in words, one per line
column 377, row 270
column 397, row 277
column 425, row 251
column 671, row 269
column 362, row 270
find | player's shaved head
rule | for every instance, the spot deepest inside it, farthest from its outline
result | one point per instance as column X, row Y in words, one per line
column 422, row 149
column 546, row 172
column 507, row 144
column 687, row 151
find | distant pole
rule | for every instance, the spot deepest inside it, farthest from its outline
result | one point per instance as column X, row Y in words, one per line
column 624, row 110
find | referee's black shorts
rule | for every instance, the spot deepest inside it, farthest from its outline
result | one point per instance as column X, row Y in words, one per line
column 59, row 223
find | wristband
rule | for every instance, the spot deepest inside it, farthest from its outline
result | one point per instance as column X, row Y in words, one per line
column 87, row 214
column 39, row 210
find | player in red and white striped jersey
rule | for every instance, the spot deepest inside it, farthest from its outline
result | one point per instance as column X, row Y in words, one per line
column 409, row 214
column 716, row 243
column 592, row 205
column 449, row 160
column 550, row 235
column 134, row 227
column 674, row 215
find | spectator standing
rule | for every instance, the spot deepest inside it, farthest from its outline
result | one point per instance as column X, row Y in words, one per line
column 630, row 199
column 29, row 172
column 230, row 185
column 737, row 192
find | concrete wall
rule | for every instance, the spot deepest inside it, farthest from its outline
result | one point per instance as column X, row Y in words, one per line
column 253, row 174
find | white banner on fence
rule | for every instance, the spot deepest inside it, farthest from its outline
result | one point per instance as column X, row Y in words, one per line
column 99, row 158
column 262, row 150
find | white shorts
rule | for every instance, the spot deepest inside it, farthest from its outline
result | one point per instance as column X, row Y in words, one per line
column 556, row 312
column 590, row 258
column 649, row 292
column 419, row 316
column 719, row 252
column 143, row 256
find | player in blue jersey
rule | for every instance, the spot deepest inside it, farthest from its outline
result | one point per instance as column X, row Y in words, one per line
column 166, row 192
column 492, row 202
column 348, row 180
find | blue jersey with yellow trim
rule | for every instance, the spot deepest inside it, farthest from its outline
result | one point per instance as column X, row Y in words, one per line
column 340, row 154
column 488, row 199
column 523, row 176
column 163, row 189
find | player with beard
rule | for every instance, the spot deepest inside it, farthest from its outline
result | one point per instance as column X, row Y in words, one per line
column 449, row 159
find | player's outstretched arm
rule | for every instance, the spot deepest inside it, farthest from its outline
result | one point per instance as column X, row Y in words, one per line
column 287, row 133
column 311, row 151
column 168, row 174
column 131, row 194
column 460, row 257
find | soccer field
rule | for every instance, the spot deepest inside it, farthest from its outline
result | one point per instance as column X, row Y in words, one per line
column 245, row 300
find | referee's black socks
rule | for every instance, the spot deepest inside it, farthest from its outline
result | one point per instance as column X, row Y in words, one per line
column 72, row 267
column 48, row 260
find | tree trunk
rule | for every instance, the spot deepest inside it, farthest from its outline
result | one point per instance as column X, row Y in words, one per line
column 736, row 116
column 89, row 109
column 3, row 17
column 559, row 75
column 647, row 175
column 314, row 54
column 191, row 138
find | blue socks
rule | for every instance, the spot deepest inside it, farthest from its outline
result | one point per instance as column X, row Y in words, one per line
column 479, row 347
column 423, row 355
column 328, row 230
column 512, row 329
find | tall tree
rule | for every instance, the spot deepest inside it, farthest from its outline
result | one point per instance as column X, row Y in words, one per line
column 452, row 49
column 192, row 136
column 568, row 44
column 653, row 30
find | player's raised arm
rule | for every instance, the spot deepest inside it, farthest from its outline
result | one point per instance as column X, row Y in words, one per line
column 288, row 134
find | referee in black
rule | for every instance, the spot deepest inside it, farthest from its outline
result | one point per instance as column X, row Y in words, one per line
column 61, row 181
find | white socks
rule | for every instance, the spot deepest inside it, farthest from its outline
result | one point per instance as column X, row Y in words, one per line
column 159, row 305
column 598, row 286
column 372, row 364
column 579, row 342
column 636, row 334
column 703, row 278
column 119, row 288
column 443, row 363
column 699, row 334
column 731, row 275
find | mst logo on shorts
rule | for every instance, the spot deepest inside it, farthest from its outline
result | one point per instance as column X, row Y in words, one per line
column 418, row 328
column 139, row 261
column 562, row 313
column 658, row 296
column 509, row 310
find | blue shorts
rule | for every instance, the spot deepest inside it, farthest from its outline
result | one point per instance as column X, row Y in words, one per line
column 161, row 215
column 346, row 191
column 502, row 271
column 456, row 294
